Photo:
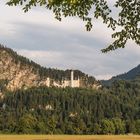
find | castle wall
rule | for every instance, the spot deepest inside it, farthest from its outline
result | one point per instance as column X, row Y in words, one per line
column 76, row 83
column 66, row 83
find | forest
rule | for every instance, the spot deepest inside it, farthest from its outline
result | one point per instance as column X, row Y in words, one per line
column 113, row 109
column 42, row 110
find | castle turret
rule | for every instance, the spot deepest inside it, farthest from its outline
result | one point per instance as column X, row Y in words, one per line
column 48, row 82
column 72, row 78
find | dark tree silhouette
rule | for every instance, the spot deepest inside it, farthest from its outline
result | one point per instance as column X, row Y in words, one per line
column 128, row 17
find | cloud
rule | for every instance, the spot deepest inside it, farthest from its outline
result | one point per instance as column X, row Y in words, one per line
column 65, row 45
column 105, row 77
column 47, row 58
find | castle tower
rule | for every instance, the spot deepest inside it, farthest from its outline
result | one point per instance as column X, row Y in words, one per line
column 72, row 78
column 48, row 82
column 78, row 82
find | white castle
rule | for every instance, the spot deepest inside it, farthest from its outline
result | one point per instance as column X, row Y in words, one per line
column 64, row 83
column 73, row 83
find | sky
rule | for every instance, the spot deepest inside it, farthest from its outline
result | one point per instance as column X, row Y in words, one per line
column 38, row 36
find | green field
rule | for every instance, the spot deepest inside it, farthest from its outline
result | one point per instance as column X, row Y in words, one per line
column 68, row 137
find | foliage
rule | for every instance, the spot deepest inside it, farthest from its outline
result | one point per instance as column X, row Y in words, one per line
column 114, row 110
column 107, row 127
column 128, row 17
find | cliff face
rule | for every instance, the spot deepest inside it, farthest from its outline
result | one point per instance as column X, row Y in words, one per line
column 17, row 75
column 18, row 72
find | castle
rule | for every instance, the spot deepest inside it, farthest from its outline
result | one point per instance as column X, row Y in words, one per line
column 64, row 83
column 73, row 83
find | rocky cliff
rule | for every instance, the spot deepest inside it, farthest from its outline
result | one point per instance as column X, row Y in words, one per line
column 18, row 72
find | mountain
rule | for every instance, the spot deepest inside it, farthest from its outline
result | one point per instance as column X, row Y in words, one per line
column 130, row 75
column 18, row 72
column 113, row 110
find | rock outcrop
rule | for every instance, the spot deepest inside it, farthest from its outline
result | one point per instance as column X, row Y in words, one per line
column 17, row 72
column 17, row 75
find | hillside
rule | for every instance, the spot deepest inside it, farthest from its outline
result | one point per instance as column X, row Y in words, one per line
column 18, row 72
column 130, row 75
column 41, row 110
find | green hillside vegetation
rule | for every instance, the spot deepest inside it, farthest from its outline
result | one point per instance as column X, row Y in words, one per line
column 42, row 110
column 130, row 75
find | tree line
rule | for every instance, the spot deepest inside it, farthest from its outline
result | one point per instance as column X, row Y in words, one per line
column 42, row 110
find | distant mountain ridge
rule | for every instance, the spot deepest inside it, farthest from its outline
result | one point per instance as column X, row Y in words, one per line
column 18, row 72
column 130, row 75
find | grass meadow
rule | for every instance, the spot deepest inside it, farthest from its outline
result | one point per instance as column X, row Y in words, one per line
column 69, row 137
